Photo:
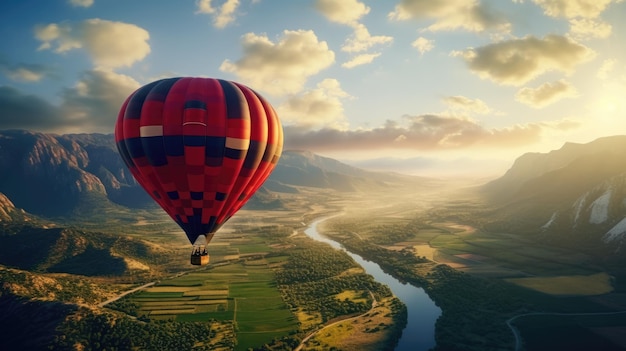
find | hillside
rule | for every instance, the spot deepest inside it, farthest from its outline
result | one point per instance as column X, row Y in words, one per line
column 574, row 196
column 67, row 250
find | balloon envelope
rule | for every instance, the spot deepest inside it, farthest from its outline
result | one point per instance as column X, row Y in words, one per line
column 200, row 147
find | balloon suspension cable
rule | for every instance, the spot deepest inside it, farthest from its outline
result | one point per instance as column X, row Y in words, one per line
column 199, row 246
column 199, row 255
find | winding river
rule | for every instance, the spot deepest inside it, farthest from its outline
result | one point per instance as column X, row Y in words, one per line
column 419, row 333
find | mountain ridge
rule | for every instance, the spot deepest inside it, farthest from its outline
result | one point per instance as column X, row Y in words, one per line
column 65, row 175
column 575, row 195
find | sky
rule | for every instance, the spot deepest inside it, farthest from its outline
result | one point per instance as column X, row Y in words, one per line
column 425, row 87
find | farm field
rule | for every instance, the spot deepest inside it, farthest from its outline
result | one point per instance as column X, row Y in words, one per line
column 522, row 261
column 242, row 292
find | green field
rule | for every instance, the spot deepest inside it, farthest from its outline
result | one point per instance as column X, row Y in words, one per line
column 243, row 292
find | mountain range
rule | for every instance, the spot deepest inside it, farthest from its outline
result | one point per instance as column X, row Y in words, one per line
column 65, row 175
column 575, row 195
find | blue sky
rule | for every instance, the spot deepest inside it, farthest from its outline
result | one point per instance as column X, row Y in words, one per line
column 420, row 86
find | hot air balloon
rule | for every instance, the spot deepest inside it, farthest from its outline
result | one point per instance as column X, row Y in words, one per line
column 200, row 147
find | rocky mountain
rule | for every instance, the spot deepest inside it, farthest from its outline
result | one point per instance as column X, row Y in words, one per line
column 52, row 175
column 575, row 195
column 8, row 211
column 597, row 217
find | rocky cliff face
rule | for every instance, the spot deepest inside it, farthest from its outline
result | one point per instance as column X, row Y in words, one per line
column 6, row 208
column 53, row 175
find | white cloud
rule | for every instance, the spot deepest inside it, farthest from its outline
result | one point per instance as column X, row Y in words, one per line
column 109, row 44
column 316, row 108
column 349, row 12
column 517, row 61
column 94, row 102
column 423, row 45
column 546, row 93
column 81, row 3
column 423, row 132
column 470, row 15
column 345, row 11
column 585, row 28
column 26, row 72
column 466, row 104
column 574, row 8
column 26, row 75
column 361, row 40
column 62, row 35
column 358, row 60
column 582, row 15
column 282, row 67
column 222, row 15
column 90, row 106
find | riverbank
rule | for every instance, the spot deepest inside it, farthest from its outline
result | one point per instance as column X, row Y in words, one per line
column 421, row 312
column 474, row 310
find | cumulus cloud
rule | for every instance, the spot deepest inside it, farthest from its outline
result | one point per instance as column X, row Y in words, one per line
column 282, row 67
column 517, row 61
column 109, row 44
column 423, row 45
column 345, row 11
column 358, row 60
column 81, row 3
column 26, row 72
column 465, row 104
column 585, row 28
column 361, row 40
column 349, row 12
column 424, row 132
column 316, row 108
column 546, row 93
column 91, row 105
column 581, row 14
column 222, row 15
column 574, row 8
column 470, row 15
column 94, row 102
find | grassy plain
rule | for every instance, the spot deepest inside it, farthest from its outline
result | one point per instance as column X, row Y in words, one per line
column 594, row 284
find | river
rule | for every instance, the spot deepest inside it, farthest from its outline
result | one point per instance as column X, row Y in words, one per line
column 419, row 334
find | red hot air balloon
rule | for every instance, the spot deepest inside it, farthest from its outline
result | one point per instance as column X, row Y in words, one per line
column 200, row 147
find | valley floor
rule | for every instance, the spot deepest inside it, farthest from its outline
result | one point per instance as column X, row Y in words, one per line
column 269, row 286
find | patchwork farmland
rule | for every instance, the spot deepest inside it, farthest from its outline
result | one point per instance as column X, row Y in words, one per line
column 243, row 292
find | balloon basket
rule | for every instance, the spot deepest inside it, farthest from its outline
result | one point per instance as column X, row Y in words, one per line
column 199, row 256
column 200, row 260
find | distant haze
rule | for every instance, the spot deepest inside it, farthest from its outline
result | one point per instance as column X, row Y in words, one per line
column 432, row 167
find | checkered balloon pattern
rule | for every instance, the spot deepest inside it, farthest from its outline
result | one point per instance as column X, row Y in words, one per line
column 200, row 147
